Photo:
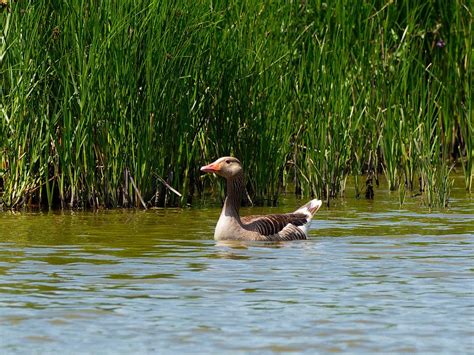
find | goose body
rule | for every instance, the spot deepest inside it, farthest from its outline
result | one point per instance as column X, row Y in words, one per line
column 272, row 227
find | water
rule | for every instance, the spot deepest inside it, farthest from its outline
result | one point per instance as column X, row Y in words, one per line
column 372, row 278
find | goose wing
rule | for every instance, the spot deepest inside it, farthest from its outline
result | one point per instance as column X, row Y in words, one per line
column 277, row 226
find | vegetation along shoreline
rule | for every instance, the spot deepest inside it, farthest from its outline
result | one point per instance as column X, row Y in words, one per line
column 118, row 104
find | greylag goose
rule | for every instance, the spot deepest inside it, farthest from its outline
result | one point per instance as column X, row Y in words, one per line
column 272, row 227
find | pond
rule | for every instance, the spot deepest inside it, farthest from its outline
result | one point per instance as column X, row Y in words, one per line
column 373, row 277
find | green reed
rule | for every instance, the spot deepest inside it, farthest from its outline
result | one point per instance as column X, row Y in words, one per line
column 106, row 104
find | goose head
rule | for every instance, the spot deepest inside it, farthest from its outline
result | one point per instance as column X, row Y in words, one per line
column 227, row 167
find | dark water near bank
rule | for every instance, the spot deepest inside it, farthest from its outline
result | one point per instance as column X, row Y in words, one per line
column 372, row 278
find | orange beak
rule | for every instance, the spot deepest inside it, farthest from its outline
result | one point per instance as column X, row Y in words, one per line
column 211, row 168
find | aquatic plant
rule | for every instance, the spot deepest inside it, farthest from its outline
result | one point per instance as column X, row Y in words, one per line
column 119, row 103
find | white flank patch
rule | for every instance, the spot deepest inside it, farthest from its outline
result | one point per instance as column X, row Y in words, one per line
column 304, row 229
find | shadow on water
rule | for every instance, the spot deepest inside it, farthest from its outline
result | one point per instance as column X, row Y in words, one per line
column 373, row 277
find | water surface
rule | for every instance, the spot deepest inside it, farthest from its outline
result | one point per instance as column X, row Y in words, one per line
column 374, row 277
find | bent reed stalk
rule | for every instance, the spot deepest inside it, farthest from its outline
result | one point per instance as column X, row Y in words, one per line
column 98, row 94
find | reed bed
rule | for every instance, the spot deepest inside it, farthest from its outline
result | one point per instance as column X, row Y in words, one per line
column 117, row 103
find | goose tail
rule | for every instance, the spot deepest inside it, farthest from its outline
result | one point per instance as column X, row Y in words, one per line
column 310, row 208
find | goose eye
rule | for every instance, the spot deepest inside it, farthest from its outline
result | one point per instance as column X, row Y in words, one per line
column 227, row 161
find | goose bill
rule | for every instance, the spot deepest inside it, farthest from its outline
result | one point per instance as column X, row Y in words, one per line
column 211, row 168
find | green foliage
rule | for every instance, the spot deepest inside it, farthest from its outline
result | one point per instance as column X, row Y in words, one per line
column 95, row 94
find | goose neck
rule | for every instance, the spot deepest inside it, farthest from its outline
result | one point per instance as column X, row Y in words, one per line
column 235, row 190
